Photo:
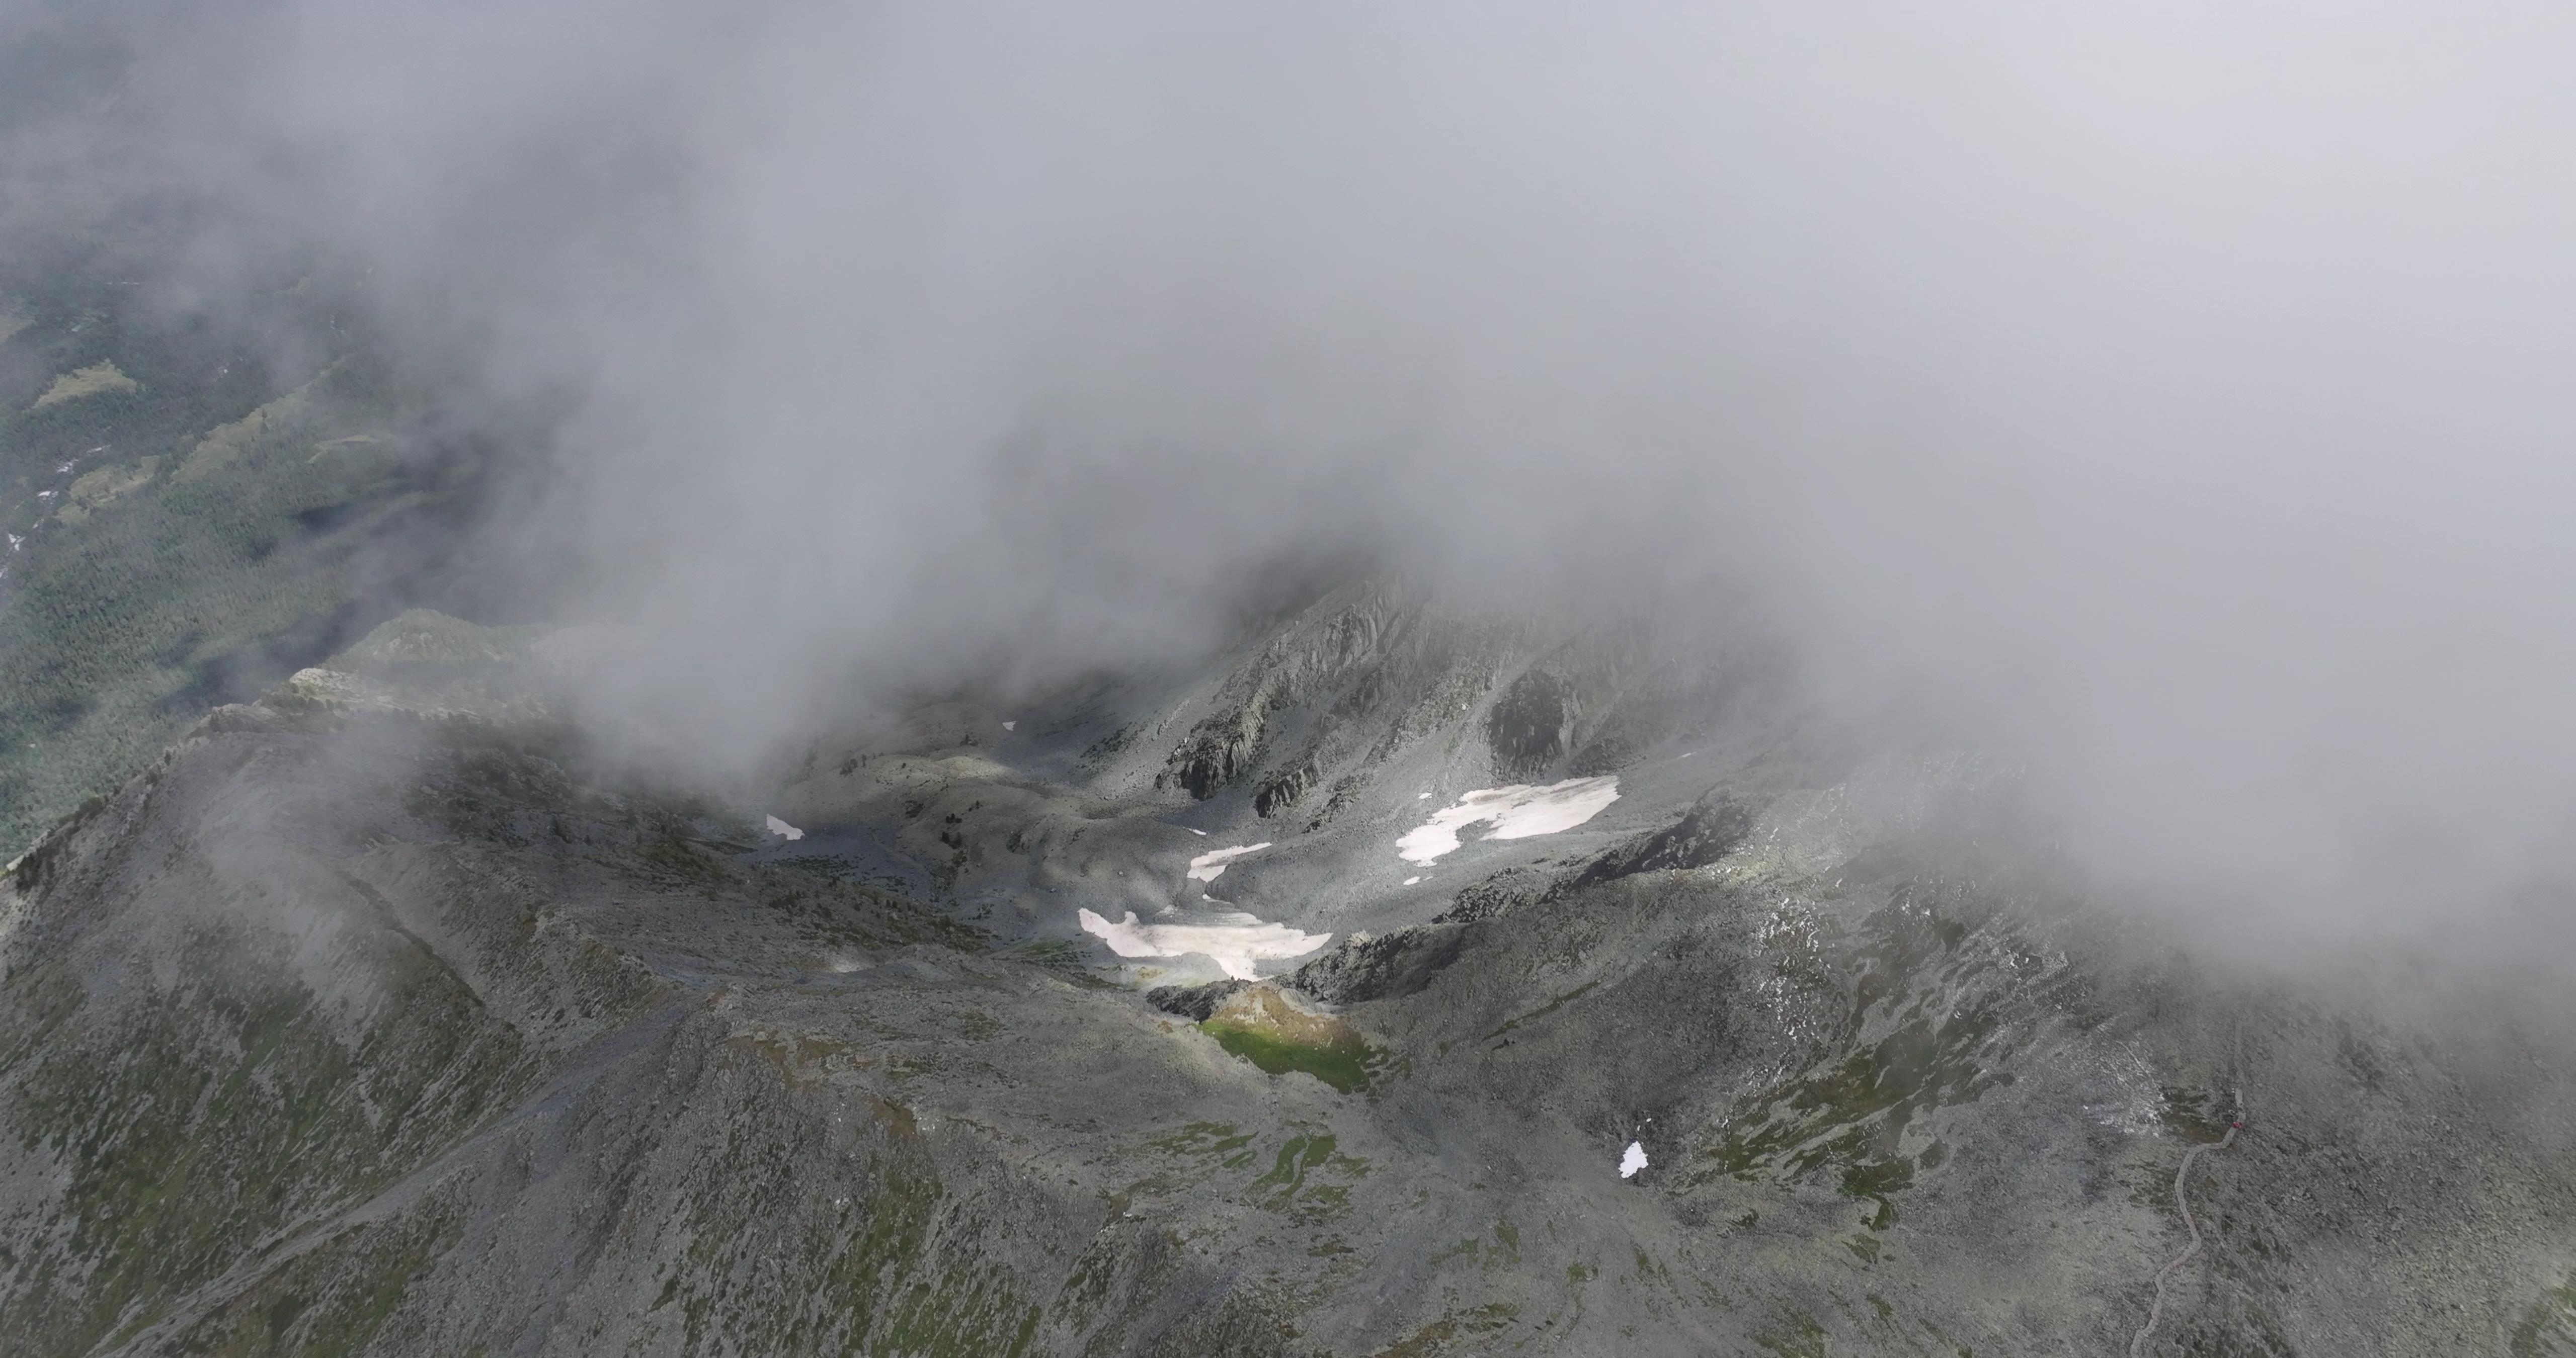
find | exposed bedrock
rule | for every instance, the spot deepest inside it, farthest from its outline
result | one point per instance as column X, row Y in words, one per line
column 384, row 1020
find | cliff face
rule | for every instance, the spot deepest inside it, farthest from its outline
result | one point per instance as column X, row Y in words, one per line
column 379, row 1019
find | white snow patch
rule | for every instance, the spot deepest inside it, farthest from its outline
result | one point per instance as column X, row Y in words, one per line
column 1518, row 812
column 1235, row 942
column 1411, row 880
column 1422, row 796
column 1207, row 867
column 1009, row 725
column 1633, row 1161
column 1200, row 833
column 784, row 830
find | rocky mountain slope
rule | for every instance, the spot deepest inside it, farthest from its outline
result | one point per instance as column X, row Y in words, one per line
column 388, row 1016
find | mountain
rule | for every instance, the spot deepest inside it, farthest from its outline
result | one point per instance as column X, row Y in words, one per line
column 1600, row 999
column 192, row 511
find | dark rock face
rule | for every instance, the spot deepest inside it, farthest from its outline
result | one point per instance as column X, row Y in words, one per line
column 1221, row 750
column 1193, row 1002
column 1499, row 894
column 1704, row 834
column 1387, row 966
column 1282, row 789
column 1340, row 689
column 1340, row 636
column 1532, row 724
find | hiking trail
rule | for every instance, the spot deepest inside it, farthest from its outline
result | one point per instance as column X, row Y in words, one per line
column 2155, row 1310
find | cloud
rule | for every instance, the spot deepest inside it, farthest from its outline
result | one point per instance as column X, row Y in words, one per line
column 2175, row 397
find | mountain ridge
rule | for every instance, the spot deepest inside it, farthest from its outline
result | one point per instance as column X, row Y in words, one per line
column 494, row 1045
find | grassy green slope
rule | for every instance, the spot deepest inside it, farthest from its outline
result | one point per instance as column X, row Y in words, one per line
column 182, row 527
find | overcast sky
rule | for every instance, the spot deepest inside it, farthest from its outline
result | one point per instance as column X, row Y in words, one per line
column 2179, row 392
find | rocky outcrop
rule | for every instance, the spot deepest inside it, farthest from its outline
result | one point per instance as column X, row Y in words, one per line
column 1323, row 647
column 1496, row 895
column 369, row 1029
column 1532, row 725
column 1384, row 966
column 1282, row 789
column 1197, row 1003
column 1706, row 833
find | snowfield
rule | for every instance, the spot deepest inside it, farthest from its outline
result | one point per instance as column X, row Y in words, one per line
column 1517, row 812
column 1236, row 942
column 1207, row 867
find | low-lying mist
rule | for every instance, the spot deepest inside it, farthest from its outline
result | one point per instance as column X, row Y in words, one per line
column 2175, row 398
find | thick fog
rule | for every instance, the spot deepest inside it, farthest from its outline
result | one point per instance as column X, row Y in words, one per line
column 2174, row 396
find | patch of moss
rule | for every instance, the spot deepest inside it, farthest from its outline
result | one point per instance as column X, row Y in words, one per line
column 1260, row 1025
column 1296, row 1182
column 1203, row 1138
column 1797, row 1335
column 1439, row 1335
column 97, row 379
column 1853, row 1115
column 1343, row 1066
column 2548, row 1327
column 1871, row 1096
column 98, row 489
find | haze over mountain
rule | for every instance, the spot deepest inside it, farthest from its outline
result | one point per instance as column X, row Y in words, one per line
column 2091, row 477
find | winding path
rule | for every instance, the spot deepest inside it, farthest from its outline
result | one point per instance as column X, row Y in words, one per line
column 2156, row 1310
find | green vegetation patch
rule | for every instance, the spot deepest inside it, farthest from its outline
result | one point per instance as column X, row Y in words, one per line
column 1453, row 1327
column 1261, row 1026
column 279, row 420
column 1299, row 1182
column 98, row 489
column 2548, row 1328
column 141, row 598
column 1850, row 1117
column 1853, row 1115
column 98, row 379
column 1344, row 1066
column 1795, row 1335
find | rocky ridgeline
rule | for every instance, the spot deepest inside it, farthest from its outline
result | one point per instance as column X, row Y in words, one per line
column 379, row 1018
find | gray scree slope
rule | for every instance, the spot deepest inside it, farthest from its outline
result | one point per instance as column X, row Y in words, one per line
column 382, row 1017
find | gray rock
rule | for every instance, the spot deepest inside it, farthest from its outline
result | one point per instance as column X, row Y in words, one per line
column 1193, row 1002
column 346, row 1030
